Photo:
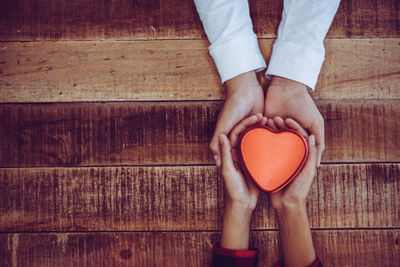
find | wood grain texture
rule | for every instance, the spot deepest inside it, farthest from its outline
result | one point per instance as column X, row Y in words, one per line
column 174, row 133
column 183, row 198
column 162, row 19
column 336, row 248
column 176, row 70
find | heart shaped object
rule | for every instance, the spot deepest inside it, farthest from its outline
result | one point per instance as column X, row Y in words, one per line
column 272, row 158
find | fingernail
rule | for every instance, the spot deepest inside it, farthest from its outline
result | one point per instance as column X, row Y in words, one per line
column 312, row 140
column 217, row 161
column 221, row 140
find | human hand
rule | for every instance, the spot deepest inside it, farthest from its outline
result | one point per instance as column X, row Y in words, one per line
column 239, row 192
column 290, row 208
column 244, row 97
column 290, row 99
column 294, row 195
column 241, row 195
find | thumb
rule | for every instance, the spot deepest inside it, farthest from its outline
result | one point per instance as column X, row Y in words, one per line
column 226, row 154
column 227, row 119
column 311, row 164
column 305, row 178
column 317, row 129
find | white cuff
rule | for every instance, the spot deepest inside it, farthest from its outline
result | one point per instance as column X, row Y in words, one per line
column 297, row 62
column 237, row 56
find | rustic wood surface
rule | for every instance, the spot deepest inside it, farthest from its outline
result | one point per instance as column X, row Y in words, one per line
column 176, row 70
column 172, row 133
column 163, row 19
column 335, row 247
column 104, row 157
column 183, row 198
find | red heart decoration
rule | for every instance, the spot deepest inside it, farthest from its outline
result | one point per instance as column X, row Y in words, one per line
column 272, row 158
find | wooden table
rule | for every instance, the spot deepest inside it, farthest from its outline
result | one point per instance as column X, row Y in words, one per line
column 107, row 108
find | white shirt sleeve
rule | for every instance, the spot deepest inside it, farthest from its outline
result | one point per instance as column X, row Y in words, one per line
column 299, row 52
column 229, row 29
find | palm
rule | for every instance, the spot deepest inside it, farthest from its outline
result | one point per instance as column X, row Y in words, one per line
column 239, row 189
column 297, row 190
column 301, row 108
column 237, row 107
column 289, row 194
column 242, row 192
column 241, row 102
column 294, row 102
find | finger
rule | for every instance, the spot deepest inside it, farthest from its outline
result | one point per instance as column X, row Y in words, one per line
column 215, row 150
column 226, row 155
column 294, row 125
column 320, row 144
column 271, row 124
column 310, row 167
column 317, row 129
column 227, row 119
column 242, row 126
column 263, row 121
column 280, row 123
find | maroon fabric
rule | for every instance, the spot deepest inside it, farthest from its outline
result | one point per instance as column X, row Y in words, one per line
column 316, row 263
column 223, row 257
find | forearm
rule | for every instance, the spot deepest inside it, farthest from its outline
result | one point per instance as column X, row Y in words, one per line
column 229, row 29
column 298, row 52
column 236, row 228
column 295, row 234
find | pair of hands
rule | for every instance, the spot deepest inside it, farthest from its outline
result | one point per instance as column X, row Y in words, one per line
column 284, row 98
column 289, row 203
column 287, row 99
column 242, row 194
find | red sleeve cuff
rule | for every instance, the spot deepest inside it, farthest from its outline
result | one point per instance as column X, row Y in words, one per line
column 233, row 258
column 316, row 263
column 234, row 253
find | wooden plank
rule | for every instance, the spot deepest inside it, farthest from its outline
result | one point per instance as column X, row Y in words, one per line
column 183, row 198
column 173, row 133
column 162, row 19
column 335, row 247
column 176, row 70
column 6, row 251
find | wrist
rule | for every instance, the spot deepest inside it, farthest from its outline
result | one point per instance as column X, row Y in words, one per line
column 236, row 228
column 239, row 210
column 245, row 83
column 290, row 86
column 296, row 209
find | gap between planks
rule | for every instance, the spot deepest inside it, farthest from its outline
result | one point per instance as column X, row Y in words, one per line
column 313, row 229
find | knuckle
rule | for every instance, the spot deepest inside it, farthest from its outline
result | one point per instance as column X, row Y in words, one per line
column 213, row 146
